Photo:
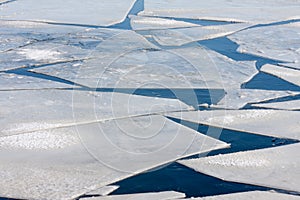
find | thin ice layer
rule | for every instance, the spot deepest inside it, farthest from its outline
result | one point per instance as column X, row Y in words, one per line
column 140, row 196
column 276, row 123
column 276, row 167
column 103, row 191
column 192, row 67
column 150, row 23
column 284, row 105
column 225, row 10
column 9, row 81
column 266, row 195
column 46, row 109
column 106, row 152
column 290, row 75
column 92, row 12
column 278, row 42
column 238, row 98
column 181, row 36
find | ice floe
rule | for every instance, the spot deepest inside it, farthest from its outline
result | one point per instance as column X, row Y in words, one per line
column 168, row 195
column 276, row 123
column 152, row 23
column 284, row 105
column 277, row 42
column 266, row 195
column 290, row 75
column 10, row 81
column 96, row 161
column 273, row 167
column 238, row 98
column 192, row 67
column 225, row 10
column 181, row 36
column 90, row 12
column 54, row 108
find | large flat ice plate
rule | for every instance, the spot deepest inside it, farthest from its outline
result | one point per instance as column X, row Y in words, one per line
column 67, row 162
column 281, row 42
column 191, row 67
column 284, row 105
column 44, row 109
column 91, row 12
column 225, row 10
column 276, row 167
column 276, row 123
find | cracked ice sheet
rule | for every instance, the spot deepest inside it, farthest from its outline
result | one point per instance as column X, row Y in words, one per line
column 276, row 123
column 103, row 191
column 192, row 67
column 281, row 42
column 238, row 98
column 41, row 53
column 276, row 167
column 181, row 36
column 102, row 153
column 290, row 75
column 20, row 82
column 225, row 10
column 91, row 12
column 54, row 108
column 265, row 195
column 285, row 105
column 150, row 23
column 167, row 195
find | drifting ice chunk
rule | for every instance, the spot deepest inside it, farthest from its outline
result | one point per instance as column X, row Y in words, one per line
column 224, row 10
column 14, row 82
column 280, row 42
column 285, row 105
column 107, row 152
column 250, row 195
column 290, row 75
column 168, row 195
column 238, row 98
column 103, row 191
column 150, row 23
column 192, row 67
column 274, row 167
column 92, row 12
column 54, row 108
column 181, row 36
column 276, row 123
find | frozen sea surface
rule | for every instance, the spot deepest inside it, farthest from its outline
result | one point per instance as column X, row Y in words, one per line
column 105, row 99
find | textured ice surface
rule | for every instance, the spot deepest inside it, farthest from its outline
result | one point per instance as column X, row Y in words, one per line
column 265, row 195
column 107, row 152
column 103, row 191
column 181, row 36
column 238, row 98
column 225, row 10
column 92, row 12
column 15, row 81
column 276, row 167
column 290, row 75
column 192, row 67
column 150, row 23
column 142, row 196
column 280, row 42
column 54, row 108
column 285, row 105
column 276, row 123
